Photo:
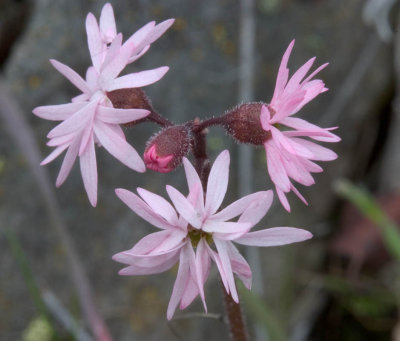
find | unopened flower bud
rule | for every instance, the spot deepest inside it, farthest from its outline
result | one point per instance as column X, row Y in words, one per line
column 243, row 123
column 132, row 98
column 164, row 151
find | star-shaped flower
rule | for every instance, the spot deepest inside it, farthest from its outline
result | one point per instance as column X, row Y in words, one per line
column 91, row 117
column 200, row 227
column 289, row 156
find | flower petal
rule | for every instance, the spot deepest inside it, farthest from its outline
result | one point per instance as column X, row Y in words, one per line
column 140, row 54
column 143, row 210
column 323, row 66
column 180, row 282
column 283, row 199
column 107, row 23
column 166, row 241
column 319, row 153
column 295, row 80
column 238, row 207
column 160, row 205
column 68, row 161
column 159, row 30
column 290, row 145
column 202, row 268
column 138, row 39
column 112, row 52
column 61, row 140
column 193, row 181
column 283, row 73
column 265, row 117
column 76, row 122
column 56, row 152
column 80, row 98
column 239, row 265
column 58, row 112
column 193, row 286
column 136, row 270
column 214, row 255
column 295, row 191
column 300, row 124
column 274, row 236
column 114, row 67
column 275, row 166
column 152, row 249
column 217, row 183
column 226, row 265
column 96, row 46
column 189, row 294
column 87, row 132
column 223, row 227
column 184, row 207
column 71, row 75
column 138, row 79
column 89, row 171
column 257, row 209
column 119, row 116
column 118, row 147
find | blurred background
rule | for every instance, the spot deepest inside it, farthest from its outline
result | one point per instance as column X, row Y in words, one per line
column 344, row 284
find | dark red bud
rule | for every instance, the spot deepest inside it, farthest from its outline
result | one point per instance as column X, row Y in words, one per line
column 164, row 151
column 243, row 123
column 133, row 98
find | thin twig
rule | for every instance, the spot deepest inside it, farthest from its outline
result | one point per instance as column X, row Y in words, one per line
column 19, row 130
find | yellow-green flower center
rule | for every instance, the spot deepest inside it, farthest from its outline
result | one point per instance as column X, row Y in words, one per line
column 195, row 235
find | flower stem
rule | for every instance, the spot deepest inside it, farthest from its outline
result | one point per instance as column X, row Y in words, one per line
column 158, row 119
column 219, row 120
column 237, row 327
column 199, row 149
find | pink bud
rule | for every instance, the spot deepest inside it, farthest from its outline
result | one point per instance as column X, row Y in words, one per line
column 165, row 150
column 156, row 162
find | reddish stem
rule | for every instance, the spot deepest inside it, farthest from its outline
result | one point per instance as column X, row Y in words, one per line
column 158, row 119
column 237, row 327
column 219, row 120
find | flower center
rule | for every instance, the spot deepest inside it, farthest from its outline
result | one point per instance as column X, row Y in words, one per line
column 195, row 235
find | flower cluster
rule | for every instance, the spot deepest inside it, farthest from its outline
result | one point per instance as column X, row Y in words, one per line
column 194, row 230
column 195, row 233
column 90, row 117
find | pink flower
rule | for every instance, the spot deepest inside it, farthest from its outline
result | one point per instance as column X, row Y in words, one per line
column 91, row 117
column 100, row 36
column 288, row 155
column 199, row 226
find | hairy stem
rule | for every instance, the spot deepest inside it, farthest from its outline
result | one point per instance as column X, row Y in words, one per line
column 237, row 327
column 219, row 120
column 158, row 119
